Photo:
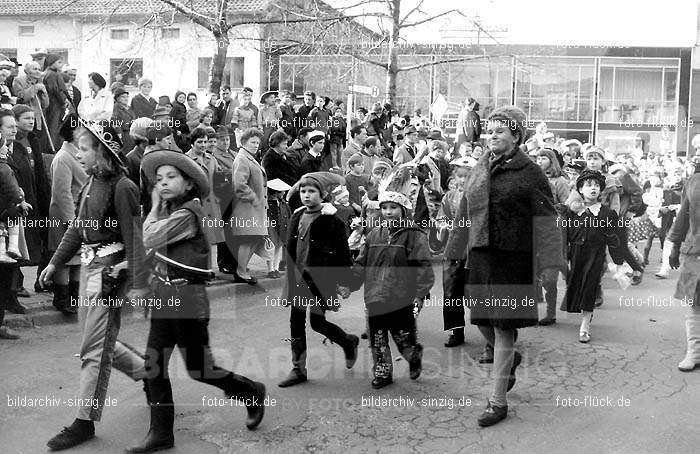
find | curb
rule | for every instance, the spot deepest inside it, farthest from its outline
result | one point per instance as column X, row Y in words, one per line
column 43, row 314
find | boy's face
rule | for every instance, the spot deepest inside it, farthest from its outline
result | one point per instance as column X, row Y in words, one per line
column 594, row 161
column 310, row 196
column 357, row 168
column 319, row 102
column 391, row 212
column 146, row 89
column 590, row 190
column 171, row 183
column 211, row 144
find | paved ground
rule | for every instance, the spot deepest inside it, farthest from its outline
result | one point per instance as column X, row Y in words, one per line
column 630, row 364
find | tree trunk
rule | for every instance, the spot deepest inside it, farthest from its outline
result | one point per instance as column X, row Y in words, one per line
column 216, row 70
column 392, row 63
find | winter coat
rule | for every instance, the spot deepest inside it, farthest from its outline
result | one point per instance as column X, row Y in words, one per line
column 245, row 117
column 250, row 196
column 319, row 119
column 328, row 259
column 97, row 107
column 10, row 193
column 215, row 233
column 143, row 107
column 67, row 180
column 35, row 97
column 121, row 119
column 280, row 166
column 395, row 268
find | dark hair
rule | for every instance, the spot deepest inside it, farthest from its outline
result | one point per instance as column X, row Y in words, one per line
column 310, row 93
column 69, row 127
column 304, row 131
column 356, row 130
column 249, row 134
column 5, row 113
column 65, row 77
column 198, row 133
column 211, row 133
column 204, row 113
column 191, row 94
column 338, row 102
column 248, row 89
column 98, row 79
column 103, row 157
column 371, row 142
column 362, row 109
column 223, row 130
column 225, row 87
column 308, row 181
column 277, row 138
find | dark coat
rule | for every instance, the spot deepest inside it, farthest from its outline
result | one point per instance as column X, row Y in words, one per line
column 143, row 107
column 511, row 235
column 10, row 193
column 280, row 166
column 121, row 119
column 329, row 259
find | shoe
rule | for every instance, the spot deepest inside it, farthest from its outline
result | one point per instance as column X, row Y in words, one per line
column 16, row 308
column 486, row 356
column 351, row 354
column 584, row 337
column 415, row 366
column 517, row 359
column 256, row 412
column 160, row 435
column 456, row 338
column 294, row 378
column 661, row 275
column 224, row 270
column 274, row 275
column 39, row 289
column 7, row 333
column 547, row 321
column 62, row 300
column 598, row 301
column 492, row 415
column 363, row 335
column 79, row 432
column 23, row 293
column 381, row 382
column 250, row 281
column 637, row 279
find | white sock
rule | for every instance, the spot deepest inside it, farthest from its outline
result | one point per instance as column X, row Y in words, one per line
column 586, row 322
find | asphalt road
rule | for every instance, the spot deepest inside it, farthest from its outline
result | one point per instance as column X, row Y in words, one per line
column 620, row 393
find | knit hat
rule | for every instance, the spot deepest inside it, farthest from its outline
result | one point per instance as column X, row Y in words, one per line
column 139, row 127
column 326, row 181
column 382, row 163
column 157, row 158
column 355, row 159
column 51, row 59
column 118, row 92
column 589, row 174
column 19, row 109
column 593, row 150
column 514, row 117
column 395, row 197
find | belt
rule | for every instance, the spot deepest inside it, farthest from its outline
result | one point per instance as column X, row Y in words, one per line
column 88, row 252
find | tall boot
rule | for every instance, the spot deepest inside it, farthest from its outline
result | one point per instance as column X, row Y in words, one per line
column 61, row 299
column 160, row 434
column 298, row 373
column 692, row 356
column 74, row 294
column 381, row 356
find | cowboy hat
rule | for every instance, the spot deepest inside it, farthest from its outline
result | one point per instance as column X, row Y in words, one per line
column 157, row 158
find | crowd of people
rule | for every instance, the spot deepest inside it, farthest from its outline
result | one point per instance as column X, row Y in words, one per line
column 117, row 197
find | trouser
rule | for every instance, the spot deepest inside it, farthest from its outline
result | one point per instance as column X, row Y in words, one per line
column 402, row 326
column 336, row 151
column 454, row 277
column 550, row 296
column 188, row 330
column 100, row 350
column 8, row 297
column 503, row 341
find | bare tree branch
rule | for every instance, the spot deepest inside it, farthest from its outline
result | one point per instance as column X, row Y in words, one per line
column 198, row 18
column 416, row 9
column 431, row 18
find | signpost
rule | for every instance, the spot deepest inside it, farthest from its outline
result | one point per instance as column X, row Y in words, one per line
column 365, row 90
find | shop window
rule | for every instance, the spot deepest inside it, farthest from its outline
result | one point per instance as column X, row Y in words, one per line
column 170, row 33
column 119, row 33
column 26, row 30
column 126, row 71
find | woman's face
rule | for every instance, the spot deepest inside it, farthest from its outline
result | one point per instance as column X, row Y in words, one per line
column 223, row 142
column 171, row 183
column 192, row 102
column 543, row 162
column 8, row 128
column 181, row 98
column 207, row 119
column 271, row 100
column 33, row 71
column 282, row 147
column 200, row 145
column 500, row 138
column 246, row 98
column 93, row 86
column 213, row 98
column 252, row 144
column 124, row 100
column 87, row 152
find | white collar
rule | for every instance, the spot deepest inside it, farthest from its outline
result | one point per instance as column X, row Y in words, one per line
column 594, row 209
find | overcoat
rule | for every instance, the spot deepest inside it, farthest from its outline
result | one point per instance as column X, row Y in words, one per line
column 249, row 214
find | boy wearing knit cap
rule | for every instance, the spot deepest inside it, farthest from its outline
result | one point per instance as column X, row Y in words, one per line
column 394, row 264
column 319, row 264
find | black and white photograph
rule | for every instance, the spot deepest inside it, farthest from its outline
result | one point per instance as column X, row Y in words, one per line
column 218, row 218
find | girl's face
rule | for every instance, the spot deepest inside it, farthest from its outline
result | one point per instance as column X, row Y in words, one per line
column 594, row 161
column 200, row 145
column 460, row 179
column 391, row 212
column 181, row 98
column 124, row 100
column 271, row 100
column 213, row 98
column 86, row 152
column 207, row 119
column 146, row 89
column 93, row 86
column 590, row 190
column 171, row 183
column 246, row 99
column 543, row 162
column 310, row 196
column 567, row 159
column 318, row 146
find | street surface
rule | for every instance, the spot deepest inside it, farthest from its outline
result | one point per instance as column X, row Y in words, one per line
column 621, row 393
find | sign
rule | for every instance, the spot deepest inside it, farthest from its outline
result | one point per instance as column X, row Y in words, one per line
column 365, row 89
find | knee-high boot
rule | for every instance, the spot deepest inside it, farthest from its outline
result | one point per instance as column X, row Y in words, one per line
column 160, row 434
column 298, row 373
column 61, row 298
column 692, row 356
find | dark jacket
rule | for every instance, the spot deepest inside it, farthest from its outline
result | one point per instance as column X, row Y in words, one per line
column 310, row 164
column 685, row 231
column 630, row 197
column 10, row 193
column 121, row 119
column 143, row 107
column 280, row 166
column 328, row 259
column 287, row 123
column 395, row 268
column 303, row 116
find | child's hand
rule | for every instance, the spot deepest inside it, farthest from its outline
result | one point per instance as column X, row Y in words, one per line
column 155, row 198
column 344, row 292
column 24, row 207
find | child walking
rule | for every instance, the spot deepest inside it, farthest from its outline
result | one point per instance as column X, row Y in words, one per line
column 319, row 264
column 588, row 231
column 394, row 264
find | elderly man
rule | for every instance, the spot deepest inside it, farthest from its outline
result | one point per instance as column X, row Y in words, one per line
column 30, row 90
column 6, row 98
column 74, row 95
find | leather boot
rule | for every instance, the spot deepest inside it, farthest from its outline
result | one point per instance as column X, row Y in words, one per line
column 74, row 295
column 160, row 435
column 257, row 410
column 298, row 373
column 61, row 299
column 692, row 356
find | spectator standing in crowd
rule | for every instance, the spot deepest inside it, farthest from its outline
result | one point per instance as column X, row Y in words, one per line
column 222, row 186
column 269, row 117
column 313, row 161
column 30, row 90
column 356, row 179
column 358, row 136
column 7, row 100
column 225, row 109
column 319, row 115
column 305, row 109
column 212, row 105
column 193, row 111
column 407, row 151
column 468, row 123
column 249, row 213
column 73, row 93
column 142, row 103
column 245, row 116
column 100, row 104
column 178, row 114
column 287, row 108
column 137, row 132
column 56, row 89
column 336, row 133
column 122, row 116
column 277, row 163
column 67, row 180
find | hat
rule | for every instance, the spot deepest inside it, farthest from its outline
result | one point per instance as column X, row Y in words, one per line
column 265, row 95
column 410, row 130
column 157, row 158
column 531, row 144
column 593, row 150
column 589, row 174
column 355, row 159
column 139, row 127
column 513, row 116
column 39, row 52
column 570, row 142
column 382, row 163
column 6, row 64
column 163, row 100
column 51, row 59
column 278, row 185
column 107, row 135
column 547, row 135
column 19, row 109
column 161, row 110
column 157, row 130
column 436, row 135
column 118, row 92
column 315, row 136
column 339, row 192
column 466, row 161
column 325, row 181
column 395, row 197
column 616, row 167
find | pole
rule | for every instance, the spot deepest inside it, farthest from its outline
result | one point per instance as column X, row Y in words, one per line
column 348, row 123
column 46, row 125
